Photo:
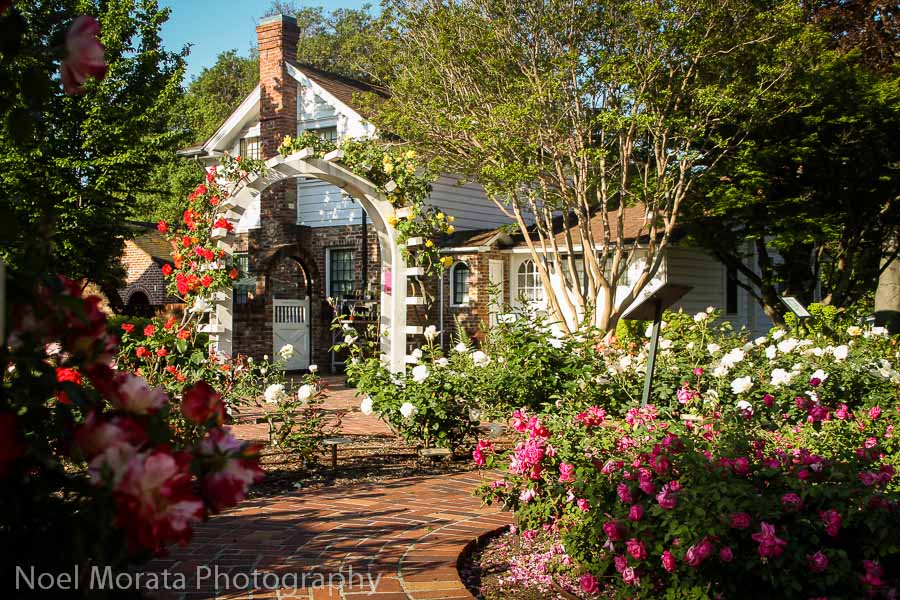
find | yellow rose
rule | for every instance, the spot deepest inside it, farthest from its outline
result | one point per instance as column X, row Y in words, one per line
column 388, row 168
column 410, row 168
column 446, row 261
column 392, row 221
column 450, row 218
column 412, row 216
column 440, row 216
column 451, row 229
column 410, row 154
column 429, row 244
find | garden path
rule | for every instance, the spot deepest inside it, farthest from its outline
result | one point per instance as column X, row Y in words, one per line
column 403, row 535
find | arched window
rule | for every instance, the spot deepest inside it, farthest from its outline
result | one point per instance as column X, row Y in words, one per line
column 529, row 282
column 459, row 281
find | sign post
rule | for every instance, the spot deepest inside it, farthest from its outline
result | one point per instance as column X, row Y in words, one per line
column 651, row 309
column 798, row 310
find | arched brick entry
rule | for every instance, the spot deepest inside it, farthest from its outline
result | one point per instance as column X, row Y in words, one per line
column 393, row 266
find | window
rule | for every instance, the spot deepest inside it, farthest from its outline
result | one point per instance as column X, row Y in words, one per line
column 731, row 291
column 245, row 285
column 250, row 148
column 529, row 282
column 326, row 133
column 341, row 279
column 459, row 278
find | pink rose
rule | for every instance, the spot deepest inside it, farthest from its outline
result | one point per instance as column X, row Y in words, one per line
column 842, row 412
column 621, row 563
column 667, row 498
column 769, row 400
column 236, row 468
column 636, row 549
column 589, row 584
column 636, row 512
column 668, row 561
column 726, row 555
column 770, row 545
column 741, row 465
column 612, row 531
column 740, row 520
column 873, row 574
column 566, row 472
column 874, row 412
column 132, row 394
column 624, row 493
column 818, row 562
column 84, row 57
column 629, row 576
column 583, row 505
column 832, row 520
column 791, row 501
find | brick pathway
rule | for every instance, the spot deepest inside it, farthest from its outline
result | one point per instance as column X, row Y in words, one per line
column 387, row 540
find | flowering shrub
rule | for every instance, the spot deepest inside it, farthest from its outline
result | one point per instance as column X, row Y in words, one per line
column 425, row 404
column 767, row 467
column 299, row 424
column 399, row 176
column 89, row 456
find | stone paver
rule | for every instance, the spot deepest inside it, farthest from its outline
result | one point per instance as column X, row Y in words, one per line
column 386, row 540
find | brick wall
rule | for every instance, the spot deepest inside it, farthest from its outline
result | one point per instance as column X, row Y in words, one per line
column 143, row 274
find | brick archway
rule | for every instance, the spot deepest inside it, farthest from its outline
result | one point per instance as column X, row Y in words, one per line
column 378, row 209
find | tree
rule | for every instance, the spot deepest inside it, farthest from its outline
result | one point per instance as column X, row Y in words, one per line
column 571, row 110
column 812, row 195
column 71, row 167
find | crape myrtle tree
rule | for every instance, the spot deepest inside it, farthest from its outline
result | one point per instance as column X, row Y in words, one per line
column 571, row 110
column 811, row 195
column 72, row 166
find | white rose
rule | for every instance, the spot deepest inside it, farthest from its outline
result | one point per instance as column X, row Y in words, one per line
column 420, row 373
column 555, row 342
column 713, row 348
column 417, row 354
column 286, row 352
column 349, row 339
column 787, row 346
column 365, row 407
column 200, row 305
column 778, row 334
column 745, row 406
column 854, row 331
column 442, row 362
column 480, row 358
column 431, row 333
column 305, row 392
column 760, row 340
column 720, row 371
column 557, row 332
column 407, row 410
column 879, row 331
column 665, row 344
column 781, row 377
column 274, row 393
column 820, row 375
column 733, row 357
column 841, row 352
column 461, row 348
column 710, row 309
column 771, row 350
column 690, row 346
column 741, row 385
column 700, row 317
column 313, row 368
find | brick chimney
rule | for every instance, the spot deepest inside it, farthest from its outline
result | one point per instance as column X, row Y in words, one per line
column 277, row 37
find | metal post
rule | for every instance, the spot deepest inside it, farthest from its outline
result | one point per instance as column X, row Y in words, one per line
column 651, row 360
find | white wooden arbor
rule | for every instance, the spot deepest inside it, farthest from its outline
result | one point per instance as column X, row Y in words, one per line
column 393, row 299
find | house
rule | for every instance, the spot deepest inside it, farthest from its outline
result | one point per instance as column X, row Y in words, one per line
column 144, row 292
column 303, row 241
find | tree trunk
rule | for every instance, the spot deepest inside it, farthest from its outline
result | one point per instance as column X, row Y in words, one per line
column 887, row 294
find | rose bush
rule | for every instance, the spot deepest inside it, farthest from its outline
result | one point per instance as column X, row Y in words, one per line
column 765, row 467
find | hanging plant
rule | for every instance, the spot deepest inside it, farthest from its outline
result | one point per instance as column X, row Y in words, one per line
column 404, row 182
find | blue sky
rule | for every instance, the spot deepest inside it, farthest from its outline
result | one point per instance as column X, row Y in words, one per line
column 213, row 26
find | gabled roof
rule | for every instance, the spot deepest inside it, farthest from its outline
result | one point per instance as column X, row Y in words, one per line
column 151, row 242
column 342, row 88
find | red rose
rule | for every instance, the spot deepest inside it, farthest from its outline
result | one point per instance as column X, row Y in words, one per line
column 71, row 375
column 233, row 273
column 214, row 201
column 182, row 284
column 142, row 352
column 170, row 323
column 183, row 334
column 162, row 352
column 167, row 269
column 149, row 330
column 206, row 281
column 162, row 227
column 201, row 403
column 186, row 242
column 127, row 327
column 84, row 55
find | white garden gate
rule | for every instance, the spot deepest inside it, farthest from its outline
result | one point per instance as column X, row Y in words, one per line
column 290, row 325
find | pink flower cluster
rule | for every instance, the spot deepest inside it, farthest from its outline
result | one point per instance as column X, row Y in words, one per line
column 478, row 454
column 592, row 417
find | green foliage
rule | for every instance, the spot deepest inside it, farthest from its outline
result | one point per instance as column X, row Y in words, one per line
column 71, row 167
column 298, row 424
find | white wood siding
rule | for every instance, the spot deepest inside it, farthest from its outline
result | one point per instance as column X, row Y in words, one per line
column 467, row 203
column 320, row 204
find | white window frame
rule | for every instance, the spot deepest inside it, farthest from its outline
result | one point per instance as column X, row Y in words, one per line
column 468, row 295
column 540, row 302
column 328, row 251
